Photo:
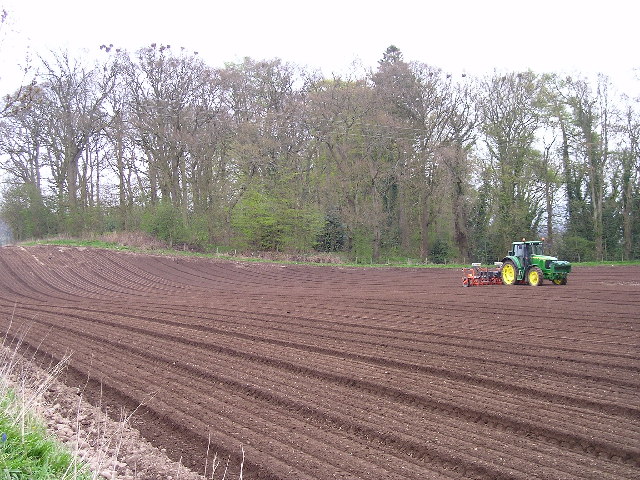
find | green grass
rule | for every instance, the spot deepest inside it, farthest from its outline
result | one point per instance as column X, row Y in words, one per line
column 69, row 242
column 28, row 452
column 606, row 263
column 392, row 262
column 226, row 254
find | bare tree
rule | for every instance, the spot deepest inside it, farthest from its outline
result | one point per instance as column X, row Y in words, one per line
column 510, row 119
column 356, row 157
column 164, row 87
column 120, row 150
column 591, row 113
column 432, row 114
column 461, row 137
column 21, row 145
column 73, row 98
column 21, row 97
column 630, row 163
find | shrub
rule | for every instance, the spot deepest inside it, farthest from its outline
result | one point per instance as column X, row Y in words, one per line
column 269, row 223
column 164, row 222
column 27, row 213
column 440, row 251
column 333, row 237
column 576, row 249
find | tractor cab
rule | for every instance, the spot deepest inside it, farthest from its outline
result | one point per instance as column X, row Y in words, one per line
column 522, row 249
column 526, row 250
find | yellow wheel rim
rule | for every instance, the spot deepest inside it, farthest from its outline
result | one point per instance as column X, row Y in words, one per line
column 508, row 274
column 534, row 278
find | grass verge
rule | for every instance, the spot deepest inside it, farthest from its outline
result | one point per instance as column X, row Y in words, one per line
column 143, row 243
column 27, row 450
column 109, row 242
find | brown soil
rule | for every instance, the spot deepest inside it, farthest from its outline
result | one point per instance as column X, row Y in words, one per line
column 111, row 447
column 329, row 372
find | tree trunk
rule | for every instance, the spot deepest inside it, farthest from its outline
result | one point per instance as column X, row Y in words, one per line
column 456, row 163
column 184, row 191
column 425, row 223
column 630, row 173
column 627, row 219
column 122, row 199
column 568, row 178
column 72, row 181
column 596, row 193
column 84, row 181
column 153, row 182
column 98, row 173
column 460, row 224
column 403, row 219
column 548, row 195
column 377, row 237
column 38, row 174
column 174, row 178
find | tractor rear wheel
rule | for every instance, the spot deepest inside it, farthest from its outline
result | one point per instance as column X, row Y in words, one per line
column 508, row 273
column 534, row 276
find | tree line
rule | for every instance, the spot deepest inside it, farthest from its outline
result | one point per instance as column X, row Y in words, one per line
column 404, row 160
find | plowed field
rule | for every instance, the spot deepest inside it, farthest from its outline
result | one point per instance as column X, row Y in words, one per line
column 327, row 372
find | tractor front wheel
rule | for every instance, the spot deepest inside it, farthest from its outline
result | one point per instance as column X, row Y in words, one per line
column 508, row 273
column 560, row 281
column 534, row 276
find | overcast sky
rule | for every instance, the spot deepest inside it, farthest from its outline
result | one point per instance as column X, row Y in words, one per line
column 473, row 36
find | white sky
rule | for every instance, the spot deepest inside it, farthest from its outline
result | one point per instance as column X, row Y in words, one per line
column 474, row 36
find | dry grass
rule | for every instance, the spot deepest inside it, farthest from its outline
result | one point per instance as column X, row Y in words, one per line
column 317, row 257
column 139, row 240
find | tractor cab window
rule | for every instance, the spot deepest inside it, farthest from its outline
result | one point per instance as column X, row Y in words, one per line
column 536, row 249
column 518, row 250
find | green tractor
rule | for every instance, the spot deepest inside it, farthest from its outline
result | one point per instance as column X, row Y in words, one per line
column 526, row 263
